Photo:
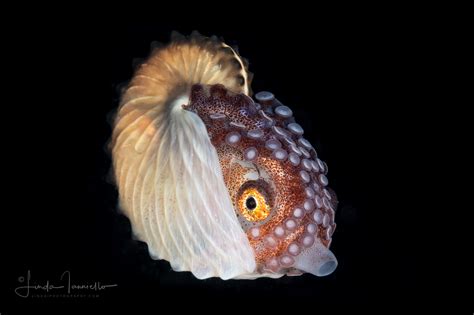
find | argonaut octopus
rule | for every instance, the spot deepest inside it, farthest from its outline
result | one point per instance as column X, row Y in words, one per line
column 215, row 182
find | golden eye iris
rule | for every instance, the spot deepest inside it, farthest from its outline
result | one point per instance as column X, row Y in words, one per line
column 253, row 206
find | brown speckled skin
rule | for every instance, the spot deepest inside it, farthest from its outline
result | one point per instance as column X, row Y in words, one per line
column 285, row 188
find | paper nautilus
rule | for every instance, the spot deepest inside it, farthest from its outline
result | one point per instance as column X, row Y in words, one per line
column 215, row 182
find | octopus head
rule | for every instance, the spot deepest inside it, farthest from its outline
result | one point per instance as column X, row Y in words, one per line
column 276, row 182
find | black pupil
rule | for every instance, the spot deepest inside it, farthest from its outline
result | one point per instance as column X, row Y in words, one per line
column 250, row 203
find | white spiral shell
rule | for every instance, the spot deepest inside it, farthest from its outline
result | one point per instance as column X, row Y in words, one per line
column 167, row 171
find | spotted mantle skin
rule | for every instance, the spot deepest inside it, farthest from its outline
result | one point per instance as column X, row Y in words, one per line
column 295, row 178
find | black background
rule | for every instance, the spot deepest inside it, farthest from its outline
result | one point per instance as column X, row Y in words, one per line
column 353, row 85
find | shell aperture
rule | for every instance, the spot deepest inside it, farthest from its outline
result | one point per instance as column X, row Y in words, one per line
column 213, row 181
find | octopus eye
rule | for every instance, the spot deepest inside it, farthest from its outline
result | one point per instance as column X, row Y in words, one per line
column 253, row 205
column 250, row 203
